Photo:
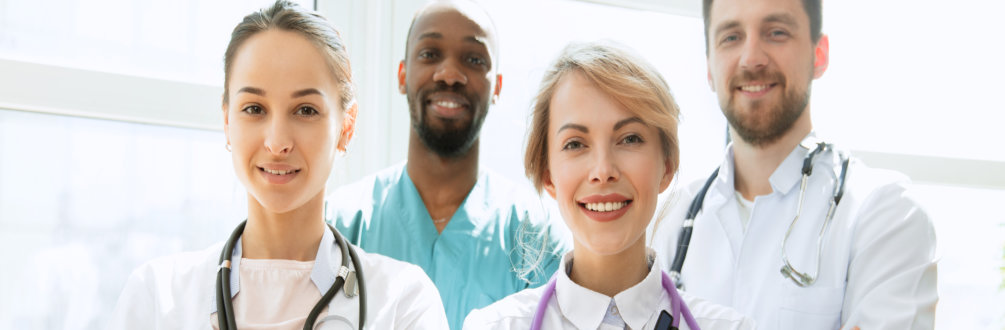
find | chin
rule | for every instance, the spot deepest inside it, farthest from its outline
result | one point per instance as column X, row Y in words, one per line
column 278, row 203
column 608, row 244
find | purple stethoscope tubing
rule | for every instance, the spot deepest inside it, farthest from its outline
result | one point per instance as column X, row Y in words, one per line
column 677, row 306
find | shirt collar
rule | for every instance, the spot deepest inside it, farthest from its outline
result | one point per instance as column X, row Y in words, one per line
column 324, row 273
column 586, row 309
column 468, row 215
column 783, row 179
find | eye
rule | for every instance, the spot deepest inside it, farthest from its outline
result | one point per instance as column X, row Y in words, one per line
column 477, row 60
column 729, row 38
column 426, row 54
column 778, row 34
column 632, row 139
column 253, row 110
column 573, row 145
column 306, row 111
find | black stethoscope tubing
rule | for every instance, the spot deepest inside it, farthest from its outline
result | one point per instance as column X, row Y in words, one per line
column 225, row 306
column 687, row 227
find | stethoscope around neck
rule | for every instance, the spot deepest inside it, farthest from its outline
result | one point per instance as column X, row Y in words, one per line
column 799, row 278
column 678, row 309
column 346, row 277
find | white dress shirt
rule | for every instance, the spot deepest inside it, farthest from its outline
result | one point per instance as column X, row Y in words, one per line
column 179, row 292
column 576, row 307
column 878, row 267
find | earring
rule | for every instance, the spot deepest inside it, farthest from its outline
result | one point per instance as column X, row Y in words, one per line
column 227, row 147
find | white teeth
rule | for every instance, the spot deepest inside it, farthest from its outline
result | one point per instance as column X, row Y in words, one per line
column 276, row 172
column 605, row 207
column 753, row 88
column 448, row 104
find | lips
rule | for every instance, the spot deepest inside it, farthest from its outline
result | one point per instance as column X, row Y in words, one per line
column 278, row 173
column 604, row 208
column 447, row 104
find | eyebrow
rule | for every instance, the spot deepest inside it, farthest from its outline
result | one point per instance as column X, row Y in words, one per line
column 252, row 90
column 299, row 93
column 627, row 121
column 781, row 18
column 306, row 91
column 577, row 127
column 617, row 125
column 483, row 41
column 428, row 35
column 727, row 25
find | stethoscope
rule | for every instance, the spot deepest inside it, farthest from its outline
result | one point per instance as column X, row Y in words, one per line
column 677, row 306
column 352, row 280
column 787, row 270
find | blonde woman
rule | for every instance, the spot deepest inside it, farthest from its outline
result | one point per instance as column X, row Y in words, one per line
column 603, row 144
column 288, row 108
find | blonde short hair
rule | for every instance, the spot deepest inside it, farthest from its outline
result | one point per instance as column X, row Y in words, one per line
column 621, row 74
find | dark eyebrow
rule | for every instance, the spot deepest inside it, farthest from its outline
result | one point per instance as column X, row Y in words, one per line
column 627, row 121
column 433, row 35
column 478, row 40
column 305, row 92
column 781, row 18
column 725, row 26
column 252, row 90
column 577, row 127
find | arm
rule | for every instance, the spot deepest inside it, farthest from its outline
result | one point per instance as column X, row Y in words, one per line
column 420, row 306
column 136, row 305
column 892, row 270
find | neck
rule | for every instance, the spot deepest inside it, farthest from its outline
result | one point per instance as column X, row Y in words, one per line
column 293, row 235
column 754, row 164
column 609, row 274
column 443, row 183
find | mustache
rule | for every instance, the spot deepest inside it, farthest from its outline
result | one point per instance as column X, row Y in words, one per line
column 748, row 76
column 441, row 86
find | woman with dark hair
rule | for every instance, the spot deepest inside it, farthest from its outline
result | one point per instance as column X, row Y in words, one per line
column 288, row 110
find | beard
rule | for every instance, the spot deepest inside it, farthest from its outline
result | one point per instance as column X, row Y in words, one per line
column 454, row 138
column 764, row 123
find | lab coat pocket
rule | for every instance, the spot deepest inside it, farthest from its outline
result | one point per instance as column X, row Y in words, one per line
column 811, row 308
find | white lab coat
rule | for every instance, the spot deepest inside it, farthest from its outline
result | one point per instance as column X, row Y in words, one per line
column 878, row 267
column 179, row 292
column 576, row 307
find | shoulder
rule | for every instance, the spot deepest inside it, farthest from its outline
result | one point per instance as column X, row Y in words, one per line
column 515, row 311
column 366, row 188
column 401, row 293
column 875, row 193
column 394, row 275
column 714, row 316
column 168, row 290
column 179, row 267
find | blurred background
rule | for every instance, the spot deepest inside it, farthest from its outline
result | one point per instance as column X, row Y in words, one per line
column 111, row 149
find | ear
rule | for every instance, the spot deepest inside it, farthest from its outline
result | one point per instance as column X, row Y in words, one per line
column 226, row 123
column 667, row 176
column 401, row 77
column 548, row 185
column 348, row 127
column 495, row 92
column 711, row 84
column 821, row 55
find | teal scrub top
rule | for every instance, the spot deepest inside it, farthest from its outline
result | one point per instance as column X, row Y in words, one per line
column 498, row 242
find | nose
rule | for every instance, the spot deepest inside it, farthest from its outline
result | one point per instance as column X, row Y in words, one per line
column 753, row 56
column 278, row 136
column 605, row 168
column 449, row 72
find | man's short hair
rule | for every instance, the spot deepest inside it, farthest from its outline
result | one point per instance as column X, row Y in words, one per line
column 813, row 9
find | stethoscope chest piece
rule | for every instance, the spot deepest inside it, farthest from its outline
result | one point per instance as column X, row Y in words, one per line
column 351, row 287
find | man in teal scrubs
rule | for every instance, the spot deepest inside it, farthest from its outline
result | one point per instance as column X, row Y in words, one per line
column 477, row 236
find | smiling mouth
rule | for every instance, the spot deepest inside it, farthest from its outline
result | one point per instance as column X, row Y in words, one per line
column 605, row 206
column 278, row 172
column 755, row 88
